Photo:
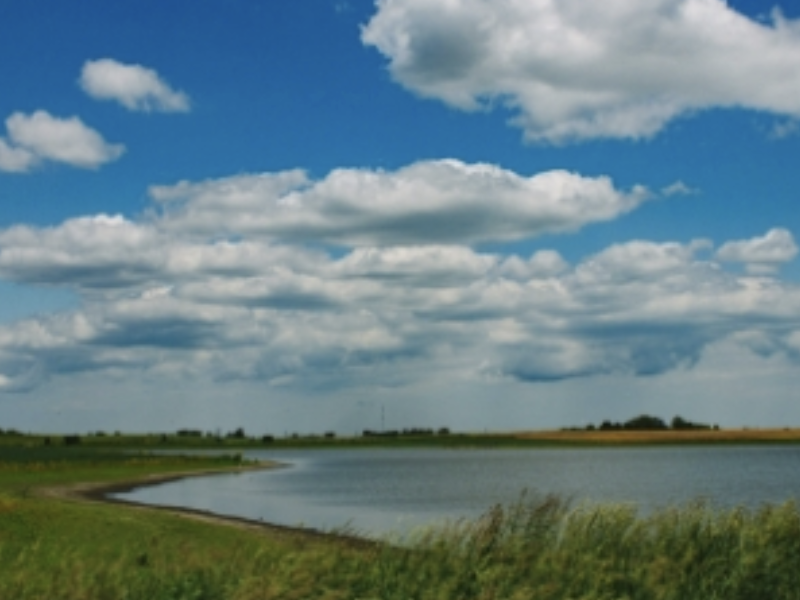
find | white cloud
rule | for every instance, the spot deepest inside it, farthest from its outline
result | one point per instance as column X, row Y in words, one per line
column 159, row 302
column 41, row 136
column 444, row 201
column 133, row 86
column 573, row 71
column 171, row 295
column 15, row 160
column 678, row 188
column 762, row 254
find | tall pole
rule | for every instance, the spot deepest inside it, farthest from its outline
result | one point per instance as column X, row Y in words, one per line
column 383, row 418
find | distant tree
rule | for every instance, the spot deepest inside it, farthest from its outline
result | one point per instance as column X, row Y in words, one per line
column 237, row 434
column 681, row 423
column 645, row 423
column 267, row 439
column 72, row 440
column 443, row 431
column 330, row 435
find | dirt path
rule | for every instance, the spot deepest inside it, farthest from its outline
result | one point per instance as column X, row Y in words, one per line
column 99, row 492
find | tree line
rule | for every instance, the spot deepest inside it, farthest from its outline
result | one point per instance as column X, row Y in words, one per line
column 648, row 423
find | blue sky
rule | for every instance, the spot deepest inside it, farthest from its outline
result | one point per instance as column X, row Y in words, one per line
column 480, row 214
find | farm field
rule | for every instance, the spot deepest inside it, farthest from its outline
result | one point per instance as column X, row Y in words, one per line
column 725, row 436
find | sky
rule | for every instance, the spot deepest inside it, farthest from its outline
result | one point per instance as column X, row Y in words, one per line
column 478, row 214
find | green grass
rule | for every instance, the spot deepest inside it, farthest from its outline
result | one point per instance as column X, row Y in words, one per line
column 540, row 548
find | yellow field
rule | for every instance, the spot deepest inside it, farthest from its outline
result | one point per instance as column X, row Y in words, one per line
column 649, row 437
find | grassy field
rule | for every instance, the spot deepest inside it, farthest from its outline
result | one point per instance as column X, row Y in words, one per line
column 28, row 443
column 56, row 547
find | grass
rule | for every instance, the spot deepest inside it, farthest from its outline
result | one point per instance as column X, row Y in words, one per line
column 539, row 548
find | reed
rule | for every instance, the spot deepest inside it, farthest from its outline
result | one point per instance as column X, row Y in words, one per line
column 538, row 548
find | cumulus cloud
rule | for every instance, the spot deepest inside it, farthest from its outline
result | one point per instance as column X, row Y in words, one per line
column 134, row 86
column 571, row 71
column 42, row 137
column 763, row 254
column 174, row 305
column 444, row 201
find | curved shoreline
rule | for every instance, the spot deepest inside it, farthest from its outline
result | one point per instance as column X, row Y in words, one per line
column 99, row 492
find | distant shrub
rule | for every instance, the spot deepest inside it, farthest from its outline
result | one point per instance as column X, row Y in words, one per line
column 189, row 433
column 371, row 433
column 267, row 439
column 72, row 440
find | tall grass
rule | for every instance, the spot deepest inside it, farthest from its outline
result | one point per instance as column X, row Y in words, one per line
column 538, row 548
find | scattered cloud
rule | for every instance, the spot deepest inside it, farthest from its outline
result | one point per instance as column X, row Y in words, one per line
column 134, row 86
column 444, row 201
column 679, row 188
column 40, row 137
column 571, row 72
column 763, row 254
column 785, row 129
column 342, row 6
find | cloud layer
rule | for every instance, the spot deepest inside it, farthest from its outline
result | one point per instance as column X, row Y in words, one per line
column 571, row 71
column 134, row 86
column 38, row 137
column 172, row 296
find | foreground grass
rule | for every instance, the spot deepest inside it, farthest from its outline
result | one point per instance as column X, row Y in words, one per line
column 540, row 548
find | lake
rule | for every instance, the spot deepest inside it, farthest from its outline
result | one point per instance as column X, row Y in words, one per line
column 377, row 491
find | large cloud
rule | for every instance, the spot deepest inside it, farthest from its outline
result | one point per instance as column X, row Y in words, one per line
column 41, row 136
column 573, row 70
column 445, row 201
column 293, row 317
column 134, row 86
column 220, row 283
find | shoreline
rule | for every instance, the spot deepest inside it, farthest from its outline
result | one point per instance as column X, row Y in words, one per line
column 99, row 492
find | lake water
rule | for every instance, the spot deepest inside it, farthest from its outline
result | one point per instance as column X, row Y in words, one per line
column 378, row 491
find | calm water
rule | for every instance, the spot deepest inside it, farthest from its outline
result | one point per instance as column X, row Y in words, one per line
column 377, row 491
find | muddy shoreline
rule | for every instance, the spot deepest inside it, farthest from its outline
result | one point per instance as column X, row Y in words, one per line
column 93, row 492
